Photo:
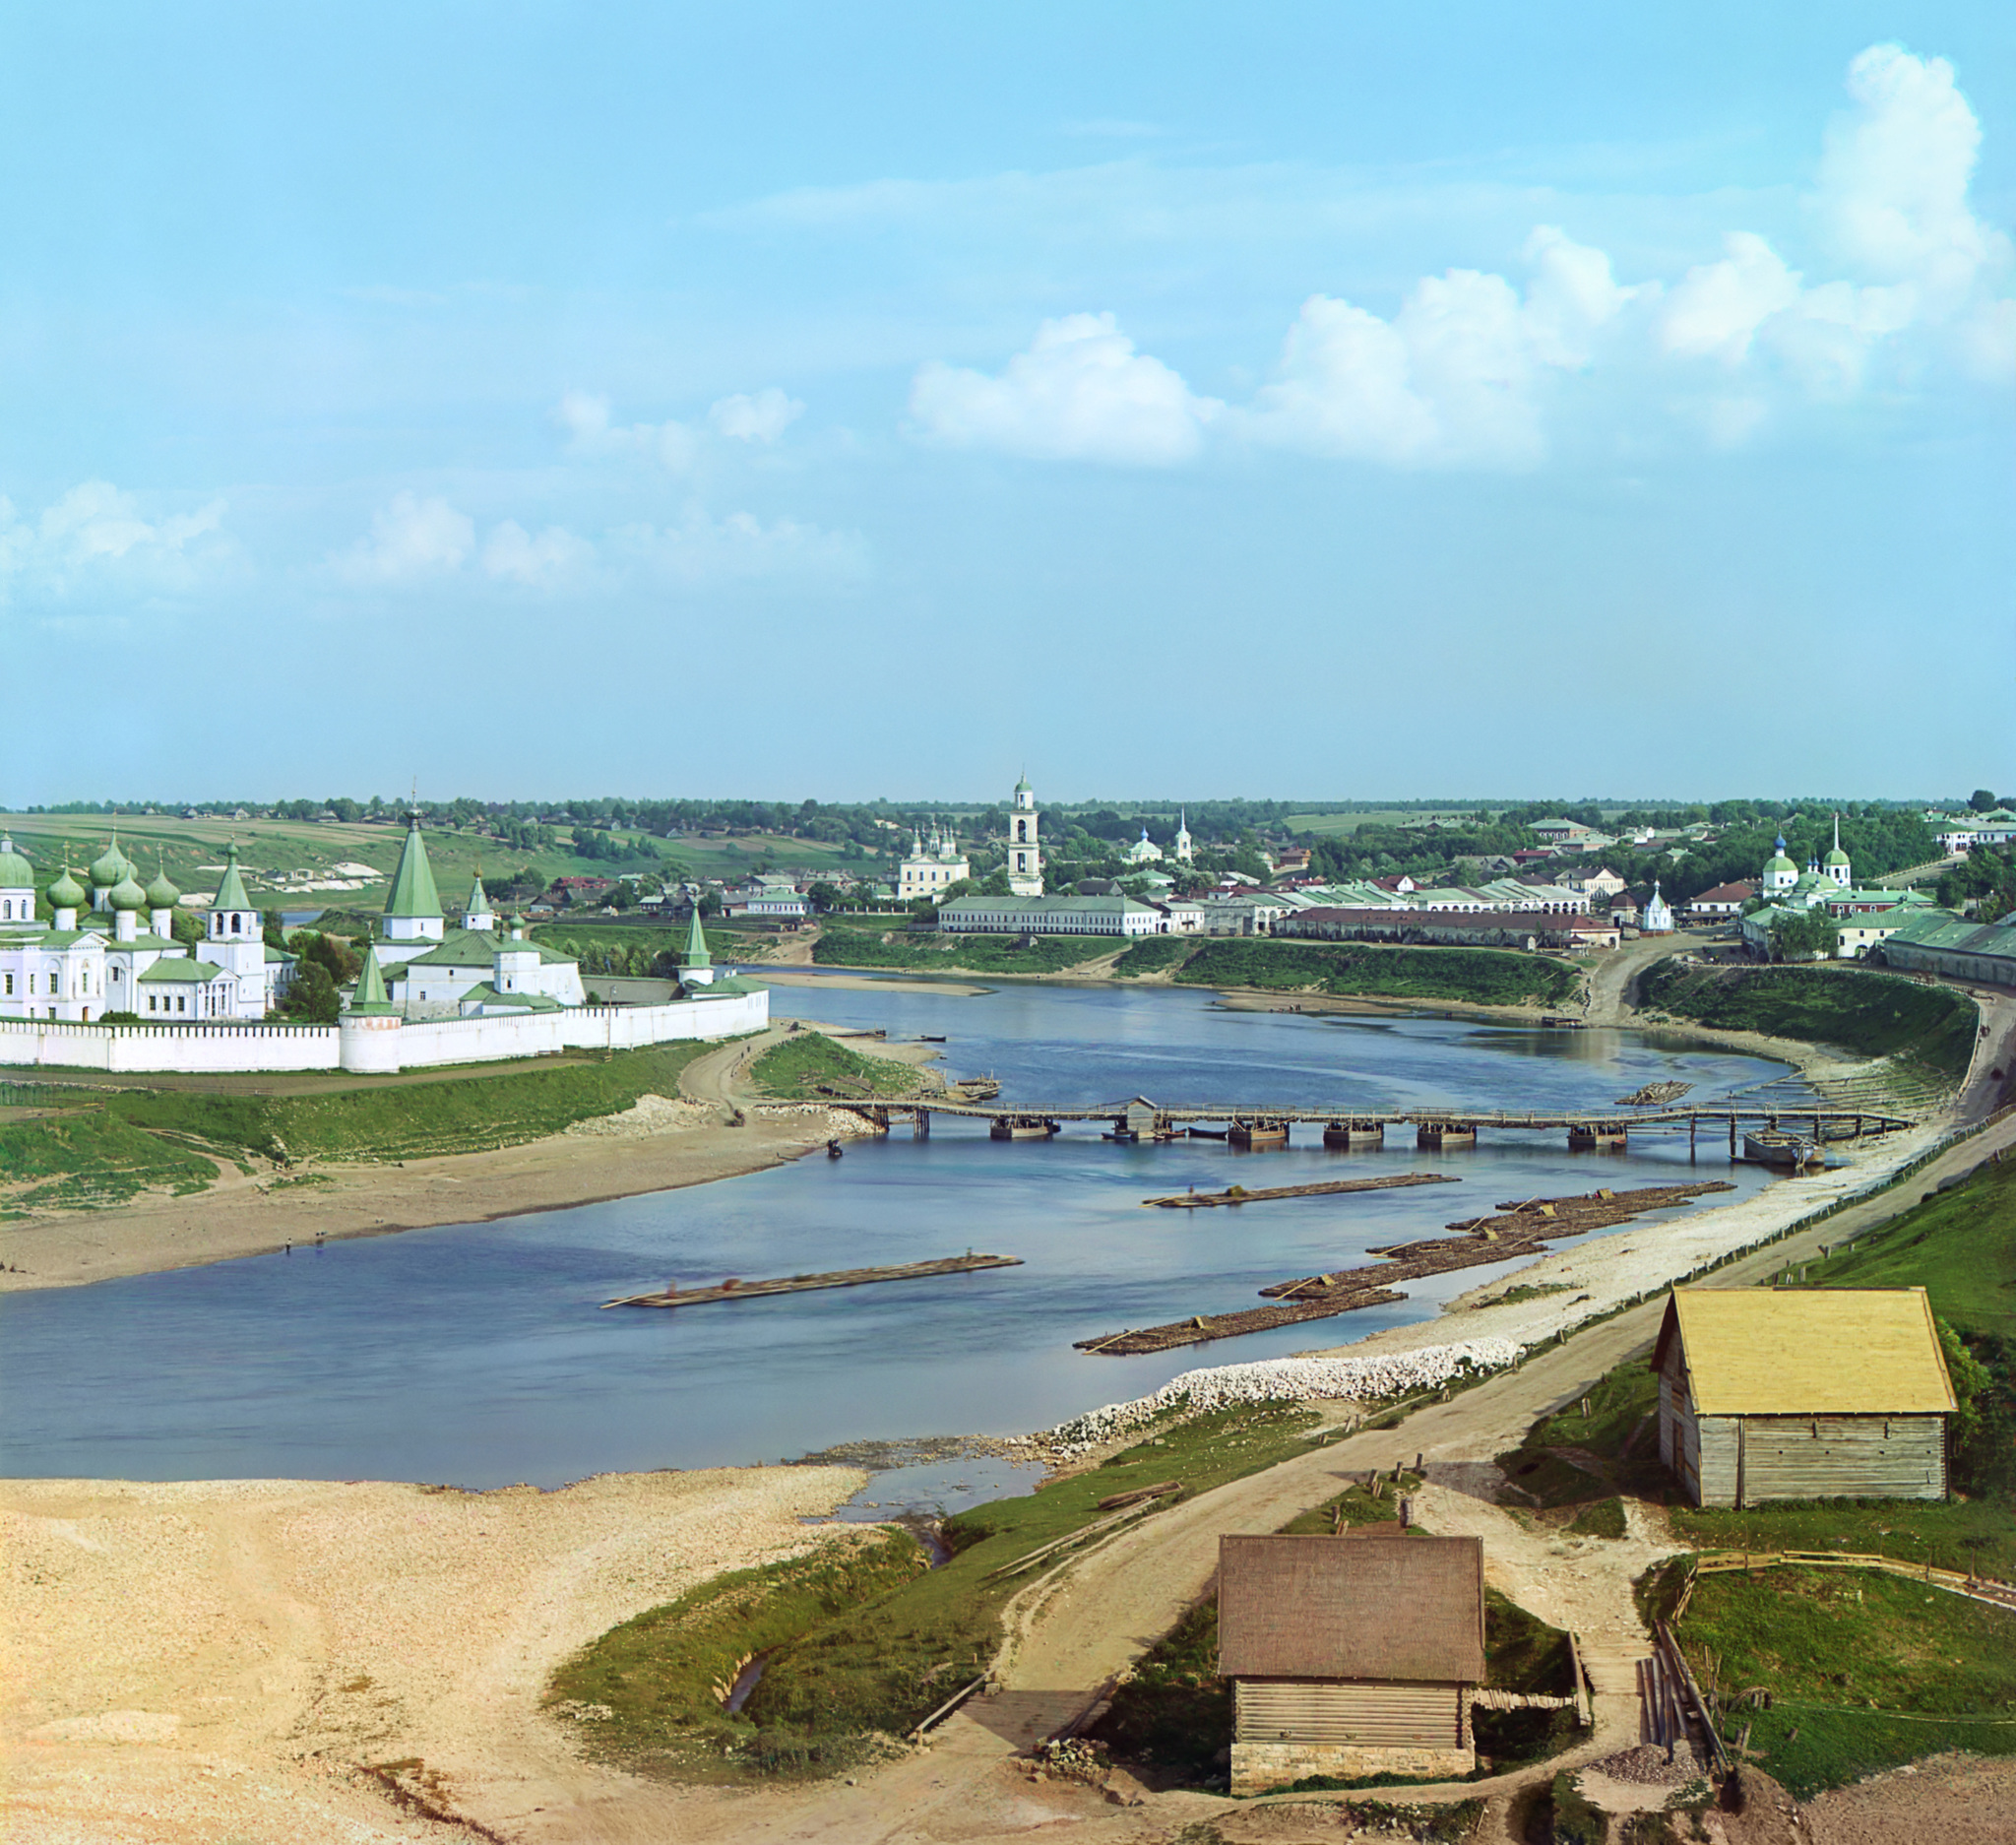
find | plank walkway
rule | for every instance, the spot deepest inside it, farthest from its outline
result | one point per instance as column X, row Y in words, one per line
column 1240, row 1194
column 805, row 1284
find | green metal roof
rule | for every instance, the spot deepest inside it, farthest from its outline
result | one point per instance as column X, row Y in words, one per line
column 369, row 999
column 479, row 899
column 728, row 987
column 66, row 893
column 1041, row 906
column 488, row 995
column 181, row 971
column 477, row 948
column 413, row 884
column 127, row 894
column 696, row 955
column 231, row 894
column 16, row 873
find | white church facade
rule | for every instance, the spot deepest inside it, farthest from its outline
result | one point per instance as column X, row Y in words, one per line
column 94, row 955
column 933, row 865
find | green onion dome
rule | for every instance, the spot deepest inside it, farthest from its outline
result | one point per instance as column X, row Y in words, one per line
column 110, row 866
column 127, row 894
column 16, row 873
column 160, row 894
column 66, row 893
column 1835, row 857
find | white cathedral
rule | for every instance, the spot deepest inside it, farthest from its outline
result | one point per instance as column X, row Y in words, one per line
column 93, row 957
column 933, row 866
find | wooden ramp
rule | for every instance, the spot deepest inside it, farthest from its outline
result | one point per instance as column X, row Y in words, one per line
column 805, row 1284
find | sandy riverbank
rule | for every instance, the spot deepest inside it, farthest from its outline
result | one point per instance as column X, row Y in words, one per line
column 1585, row 1279
column 660, row 1145
column 184, row 1664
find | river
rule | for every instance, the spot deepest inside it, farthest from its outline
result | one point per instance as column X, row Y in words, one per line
column 475, row 1354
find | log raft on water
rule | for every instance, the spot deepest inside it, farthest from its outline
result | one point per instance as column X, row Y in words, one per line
column 1238, row 1194
column 805, row 1284
column 1521, row 1228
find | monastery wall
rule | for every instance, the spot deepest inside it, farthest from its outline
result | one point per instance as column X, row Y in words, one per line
column 425, row 1044
column 192, row 1049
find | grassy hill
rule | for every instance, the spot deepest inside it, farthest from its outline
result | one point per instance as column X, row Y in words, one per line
column 92, row 1145
column 1493, row 977
column 928, row 953
column 1870, row 1014
column 269, row 849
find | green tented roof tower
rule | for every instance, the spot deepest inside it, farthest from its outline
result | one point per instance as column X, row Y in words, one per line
column 231, row 894
column 696, row 965
column 412, row 912
column 370, row 1001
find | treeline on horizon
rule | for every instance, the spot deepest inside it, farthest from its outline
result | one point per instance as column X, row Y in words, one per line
column 1447, row 843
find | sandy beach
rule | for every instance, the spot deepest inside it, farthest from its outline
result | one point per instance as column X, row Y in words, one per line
column 224, row 1660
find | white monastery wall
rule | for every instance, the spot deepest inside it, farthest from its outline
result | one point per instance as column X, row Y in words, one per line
column 194, row 1049
column 202, row 1049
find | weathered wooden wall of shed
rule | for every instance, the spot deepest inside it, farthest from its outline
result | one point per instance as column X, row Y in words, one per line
column 1370, row 1712
column 1716, row 1458
column 1853, row 1457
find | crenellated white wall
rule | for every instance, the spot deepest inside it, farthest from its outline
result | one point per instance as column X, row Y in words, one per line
column 196, row 1048
column 392, row 1045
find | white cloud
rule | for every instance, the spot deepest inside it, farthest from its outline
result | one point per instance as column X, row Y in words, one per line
column 1454, row 378
column 589, row 433
column 1079, row 392
column 1892, row 200
column 1895, row 172
column 100, row 533
column 1718, row 307
column 556, row 555
column 412, row 539
column 759, row 419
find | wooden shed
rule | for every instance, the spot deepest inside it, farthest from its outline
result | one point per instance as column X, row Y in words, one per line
column 1803, row 1394
column 1349, row 1655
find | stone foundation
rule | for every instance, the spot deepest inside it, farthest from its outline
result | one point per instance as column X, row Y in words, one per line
column 1260, row 1767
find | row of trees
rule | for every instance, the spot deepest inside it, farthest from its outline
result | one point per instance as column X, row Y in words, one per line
column 1986, row 876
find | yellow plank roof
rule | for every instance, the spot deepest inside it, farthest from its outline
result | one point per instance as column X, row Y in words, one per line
column 1809, row 1352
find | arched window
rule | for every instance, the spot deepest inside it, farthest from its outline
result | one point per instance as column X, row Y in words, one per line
column 237, row 923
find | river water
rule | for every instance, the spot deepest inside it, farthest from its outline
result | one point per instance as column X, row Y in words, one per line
column 474, row 1354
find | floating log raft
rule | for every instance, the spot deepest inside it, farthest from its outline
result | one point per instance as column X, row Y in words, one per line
column 736, row 1290
column 1208, row 1326
column 1238, row 1194
column 1521, row 1228
column 1653, row 1094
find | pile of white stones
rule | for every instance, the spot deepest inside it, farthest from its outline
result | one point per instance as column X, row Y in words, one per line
column 1285, row 1380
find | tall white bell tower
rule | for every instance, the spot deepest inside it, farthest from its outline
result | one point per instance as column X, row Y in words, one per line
column 1025, row 855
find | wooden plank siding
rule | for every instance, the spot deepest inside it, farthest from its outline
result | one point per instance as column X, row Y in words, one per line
column 1858, row 1457
column 1367, row 1714
column 1738, row 1460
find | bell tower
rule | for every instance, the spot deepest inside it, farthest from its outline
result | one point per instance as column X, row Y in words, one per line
column 1025, row 855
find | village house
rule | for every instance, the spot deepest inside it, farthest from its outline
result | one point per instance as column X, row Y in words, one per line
column 1350, row 1656
column 1817, row 1393
column 1721, row 903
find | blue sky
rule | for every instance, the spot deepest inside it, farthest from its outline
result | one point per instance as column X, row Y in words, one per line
column 1338, row 401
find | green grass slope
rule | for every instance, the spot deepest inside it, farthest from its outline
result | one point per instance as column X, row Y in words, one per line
column 1494, row 977
column 1863, row 1671
column 1873, row 1015
column 928, row 953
